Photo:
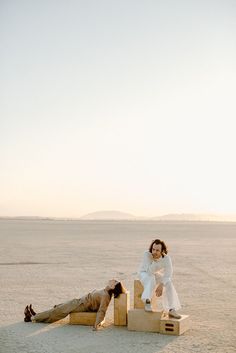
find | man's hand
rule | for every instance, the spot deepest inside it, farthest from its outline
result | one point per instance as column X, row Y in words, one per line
column 159, row 290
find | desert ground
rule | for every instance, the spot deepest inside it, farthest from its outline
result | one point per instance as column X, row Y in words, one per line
column 46, row 262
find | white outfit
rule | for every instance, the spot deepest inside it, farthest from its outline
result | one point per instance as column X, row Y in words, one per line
column 152, row 273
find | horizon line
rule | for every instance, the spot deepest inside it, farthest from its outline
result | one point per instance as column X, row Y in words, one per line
column 199, row 217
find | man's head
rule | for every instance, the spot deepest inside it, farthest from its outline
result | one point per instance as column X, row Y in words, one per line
column 158, row 248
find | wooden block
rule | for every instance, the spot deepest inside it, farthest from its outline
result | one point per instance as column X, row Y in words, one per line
column 83, row 318
column 121, row 307
column 138, row 290
column 174, row 326
column 141, row 320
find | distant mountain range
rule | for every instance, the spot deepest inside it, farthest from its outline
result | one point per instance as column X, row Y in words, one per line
column 196, row 217
column 117, row 215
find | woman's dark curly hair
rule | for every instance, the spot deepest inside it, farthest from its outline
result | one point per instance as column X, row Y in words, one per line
column 164, row 250
column 119, row 288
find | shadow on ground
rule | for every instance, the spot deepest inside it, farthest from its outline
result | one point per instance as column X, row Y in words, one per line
column 62, row 337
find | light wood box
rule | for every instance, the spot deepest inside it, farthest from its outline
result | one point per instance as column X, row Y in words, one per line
column 141, row 320
column 121, row 307
column 83, row 318
column 171, row 326
column 138, row 290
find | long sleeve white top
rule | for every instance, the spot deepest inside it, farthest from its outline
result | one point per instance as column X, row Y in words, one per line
column 161, row 267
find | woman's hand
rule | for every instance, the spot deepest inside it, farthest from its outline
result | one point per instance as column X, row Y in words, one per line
column 159, row 290
column 96, row 327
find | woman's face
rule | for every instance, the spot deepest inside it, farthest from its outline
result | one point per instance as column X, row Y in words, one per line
column 156, row 251
column 112, row 283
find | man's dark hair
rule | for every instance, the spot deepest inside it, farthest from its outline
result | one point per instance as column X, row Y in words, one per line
column 164, row 249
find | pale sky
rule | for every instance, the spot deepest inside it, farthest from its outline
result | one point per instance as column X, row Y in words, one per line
column 122, row 105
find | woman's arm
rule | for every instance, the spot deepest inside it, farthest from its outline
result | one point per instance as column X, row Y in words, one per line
column 101, row 311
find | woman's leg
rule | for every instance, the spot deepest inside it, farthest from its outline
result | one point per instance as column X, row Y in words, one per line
column 58, row 312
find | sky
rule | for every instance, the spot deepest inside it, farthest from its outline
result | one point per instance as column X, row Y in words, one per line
column 122, row 105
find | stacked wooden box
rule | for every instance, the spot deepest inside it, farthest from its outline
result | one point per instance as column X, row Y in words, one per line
column 141, row 320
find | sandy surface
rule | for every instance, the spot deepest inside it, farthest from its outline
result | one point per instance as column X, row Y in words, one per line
column 49, row 262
